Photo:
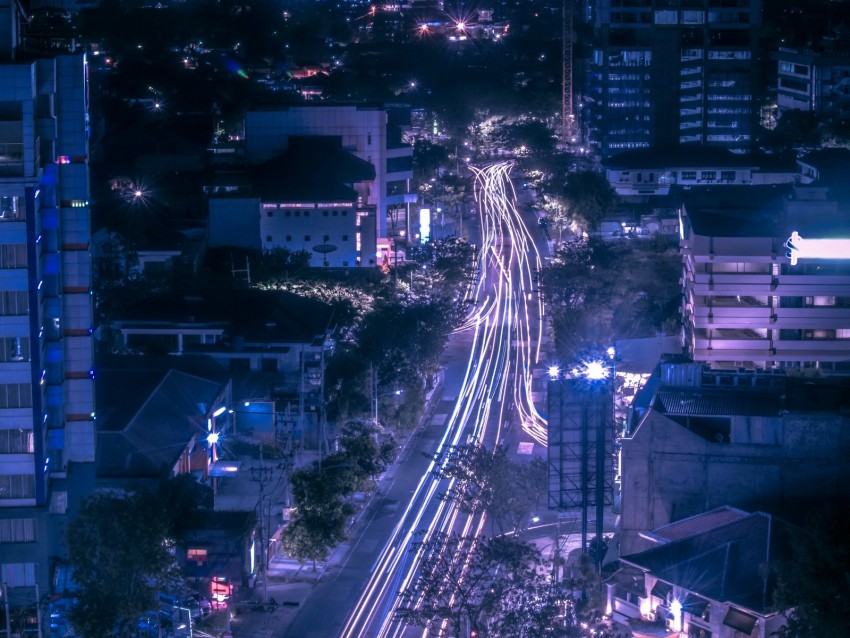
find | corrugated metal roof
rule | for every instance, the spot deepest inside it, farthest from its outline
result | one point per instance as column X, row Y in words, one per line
column 726, row 403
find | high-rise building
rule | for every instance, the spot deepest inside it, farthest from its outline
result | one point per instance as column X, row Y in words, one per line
column 47, row 429
column 667, row 72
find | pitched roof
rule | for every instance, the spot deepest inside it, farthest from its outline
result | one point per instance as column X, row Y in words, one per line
column 725, row 563
column 148, row 419
column 698, row 524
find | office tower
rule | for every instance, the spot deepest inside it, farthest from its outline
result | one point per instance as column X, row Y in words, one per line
column 666, row 72
column 47, row 431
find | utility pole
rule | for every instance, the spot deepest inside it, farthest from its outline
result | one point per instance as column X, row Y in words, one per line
column 567, row 114
column 8, row 611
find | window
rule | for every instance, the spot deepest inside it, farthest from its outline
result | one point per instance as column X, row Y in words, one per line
column 345, row 238
column 14, row 349
column 689, row 174
column 17, row 530
column 289, row 238
column 17, row 486
column 306, row 213
column 198, row 556
column 16, row 441
column 268, row 237
column 727, row 176
column 298, row 213
column 708, row 175
column 13, row 256
column 306, row 237
column 335, row 213
column 325, row 213
column 269, row 213
column 18, row 574
column 14, row 303
column 15, row 395
column 288, row 213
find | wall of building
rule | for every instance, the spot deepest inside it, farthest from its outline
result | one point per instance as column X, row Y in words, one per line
column 669, row 473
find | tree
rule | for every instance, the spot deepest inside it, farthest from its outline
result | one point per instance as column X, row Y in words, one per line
column 489, row 482
column 814, row 581
column 461, row 579
column 314, row 532
column 121, row 554
column 590, row 198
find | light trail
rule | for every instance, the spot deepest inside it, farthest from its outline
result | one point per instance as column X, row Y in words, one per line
column 507, row 326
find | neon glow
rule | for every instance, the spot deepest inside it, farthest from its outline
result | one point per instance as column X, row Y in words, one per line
column 220, row 411
column 799, row 248
column 595, row 371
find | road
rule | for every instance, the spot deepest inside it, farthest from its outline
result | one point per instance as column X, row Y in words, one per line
column 487, row 388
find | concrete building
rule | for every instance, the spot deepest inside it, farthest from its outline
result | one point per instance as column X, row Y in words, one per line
column 47, row 411
column 751, row 298
column 700, row 439
column 668, row 72
column 367, row 131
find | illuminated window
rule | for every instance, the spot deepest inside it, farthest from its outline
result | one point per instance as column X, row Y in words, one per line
column 198, row 556
column 63, row 159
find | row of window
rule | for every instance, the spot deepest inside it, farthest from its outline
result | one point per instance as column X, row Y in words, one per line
column 15, row 395
column 326, row 238
column 14, row 303
column 297, row 213
column 14, row 486
column 16, row 441
column 17, row 530
column 13, row 256
column 18, row 574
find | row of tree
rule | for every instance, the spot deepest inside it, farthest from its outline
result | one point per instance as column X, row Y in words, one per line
column 499, row 585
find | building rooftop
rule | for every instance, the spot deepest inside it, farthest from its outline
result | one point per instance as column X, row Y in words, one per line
column 724, row 562
column 687, row 155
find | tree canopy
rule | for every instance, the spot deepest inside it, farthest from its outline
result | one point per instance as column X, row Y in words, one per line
column 813, row 583
column 120, row 550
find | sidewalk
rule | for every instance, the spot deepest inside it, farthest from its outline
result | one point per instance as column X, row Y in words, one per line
column 288, row 582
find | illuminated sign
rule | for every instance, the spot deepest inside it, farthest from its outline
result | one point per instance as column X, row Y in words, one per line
column 335, row 205
column 424, row 225
column 799, row 248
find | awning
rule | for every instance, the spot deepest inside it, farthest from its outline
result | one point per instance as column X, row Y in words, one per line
column 660, row 589
column 694, row 605
column 740, row 621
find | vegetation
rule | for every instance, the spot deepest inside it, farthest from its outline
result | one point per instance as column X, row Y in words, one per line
column 499, row 586
column 120, row 549
column 488, row 481
column 813, row 582
column 598, row 292
column 322, row 492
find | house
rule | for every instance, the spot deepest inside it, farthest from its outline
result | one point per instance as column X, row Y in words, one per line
column 707, row 576
column 155, row 416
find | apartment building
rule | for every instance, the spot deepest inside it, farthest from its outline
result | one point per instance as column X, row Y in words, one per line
column 367, row 131
column 47, row 428
column 667, row 72
column 752, row 298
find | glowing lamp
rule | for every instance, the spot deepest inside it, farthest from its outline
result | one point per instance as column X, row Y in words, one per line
column 554, row 372
column 676, row 610
column 595, row 371
column 212, row 438
column 220, row 411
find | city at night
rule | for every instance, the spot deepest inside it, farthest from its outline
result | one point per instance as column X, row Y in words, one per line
column 424, row 319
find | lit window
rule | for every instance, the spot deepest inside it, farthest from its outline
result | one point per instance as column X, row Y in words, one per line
column 63, row 159
column 198, row 556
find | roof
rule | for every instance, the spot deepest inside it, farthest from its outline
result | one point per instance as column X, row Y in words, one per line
column 722, row 402
column 149, row 410
column 252, row 316
column 684, row 155
column 726, row 563
column 736, row 211
column 698, row 524
column 312, row 167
